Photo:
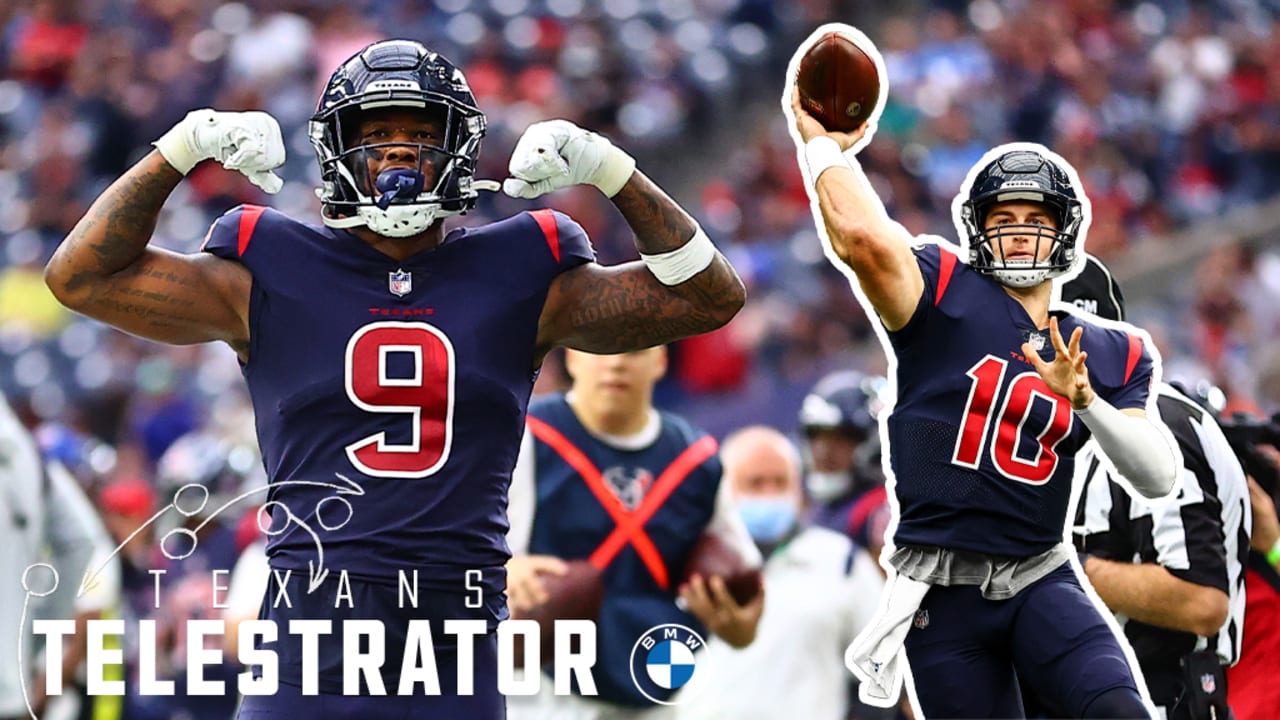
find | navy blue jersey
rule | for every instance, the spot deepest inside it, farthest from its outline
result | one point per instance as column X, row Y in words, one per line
column 675, row 478
column 982, row 451
column 404, row 382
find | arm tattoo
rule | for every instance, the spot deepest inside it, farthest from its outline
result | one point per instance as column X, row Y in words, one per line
column 659, row 223
column 115, row 232
column 660, row 226
column 104, row 269
column 625, row 308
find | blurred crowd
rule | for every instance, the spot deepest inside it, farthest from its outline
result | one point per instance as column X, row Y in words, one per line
column 1169, row 110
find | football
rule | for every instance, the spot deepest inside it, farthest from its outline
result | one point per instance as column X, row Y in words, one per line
column 839, row 83
column 713, row 556
column 575, row 595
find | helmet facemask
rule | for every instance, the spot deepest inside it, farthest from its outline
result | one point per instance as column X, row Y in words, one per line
column 1030, row 176
column 406, row 200
column 987, row 251
column 399, row 202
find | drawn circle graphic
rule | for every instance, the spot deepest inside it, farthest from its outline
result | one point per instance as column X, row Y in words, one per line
column 664, row 660
column 264, row 519
column 268, row 511
column 178, row 549
column 327, row 507
column 36, row 578
column 190, row 499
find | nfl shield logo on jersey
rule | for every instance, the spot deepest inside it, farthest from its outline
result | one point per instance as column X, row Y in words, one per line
column 921, row 620
column 400, row 283
column 1035, row 339
column 1207, row 683
column 663, row 661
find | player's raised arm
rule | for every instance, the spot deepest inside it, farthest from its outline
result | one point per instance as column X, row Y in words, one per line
column 682, row 286
column 106, row 270
column 877, row 249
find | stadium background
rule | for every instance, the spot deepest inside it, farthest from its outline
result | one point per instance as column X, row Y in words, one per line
column 1169, row 110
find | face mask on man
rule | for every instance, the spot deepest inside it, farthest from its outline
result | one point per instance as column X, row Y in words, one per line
column 767, row 519
column 824, row 487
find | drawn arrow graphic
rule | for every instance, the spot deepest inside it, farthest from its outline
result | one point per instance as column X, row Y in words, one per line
column 343, row 487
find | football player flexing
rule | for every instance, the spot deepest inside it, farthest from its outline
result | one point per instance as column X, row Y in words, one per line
column 982, row 436
column 385, row 354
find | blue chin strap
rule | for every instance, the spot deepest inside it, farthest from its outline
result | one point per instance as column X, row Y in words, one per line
column 398, row 184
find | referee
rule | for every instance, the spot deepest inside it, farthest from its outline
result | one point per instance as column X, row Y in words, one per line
column 1173, row 573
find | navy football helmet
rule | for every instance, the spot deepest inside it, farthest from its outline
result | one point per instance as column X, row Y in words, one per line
column 846, row 400
column 396, row 73
column 847, row 403
column 1030, row 176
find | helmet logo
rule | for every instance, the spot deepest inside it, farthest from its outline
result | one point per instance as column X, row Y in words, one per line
column 459, row 81
column 391, row 85
column 854, row 108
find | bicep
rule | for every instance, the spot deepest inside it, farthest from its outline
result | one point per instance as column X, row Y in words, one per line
column 175, row 298
column 615, row 309
column 875, row 247
column 891, row 279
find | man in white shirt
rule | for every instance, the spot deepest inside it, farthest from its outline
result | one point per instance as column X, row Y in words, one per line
column 44, row 518
column 594, row 460
column 821, row 590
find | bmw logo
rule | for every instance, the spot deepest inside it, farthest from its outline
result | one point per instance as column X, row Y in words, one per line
column 663, row 661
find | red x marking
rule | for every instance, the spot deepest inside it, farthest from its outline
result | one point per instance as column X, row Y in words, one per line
column 630, row 523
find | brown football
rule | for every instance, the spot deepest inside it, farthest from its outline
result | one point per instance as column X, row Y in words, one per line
column 575, row 595
column 839, row 83
column 713, row 556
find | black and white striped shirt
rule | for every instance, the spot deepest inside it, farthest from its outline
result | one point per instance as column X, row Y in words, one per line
column 1201, row 535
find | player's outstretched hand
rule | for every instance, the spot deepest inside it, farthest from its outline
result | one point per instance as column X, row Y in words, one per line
column 1066, row 375
column 810, row 128
column 525, row 590
column 709, row 601
column 555, row 154
column 247, row 142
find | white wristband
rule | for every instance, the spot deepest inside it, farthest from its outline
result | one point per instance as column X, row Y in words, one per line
column 614, row 172
column 677, row 266
column 822, row 153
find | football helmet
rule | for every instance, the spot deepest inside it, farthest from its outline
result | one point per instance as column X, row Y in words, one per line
column 397, row 203
column 846, row 400
column 849, row 402
column 1030, row 176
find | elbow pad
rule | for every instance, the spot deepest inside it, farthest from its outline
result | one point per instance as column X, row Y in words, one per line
column 1136, row 447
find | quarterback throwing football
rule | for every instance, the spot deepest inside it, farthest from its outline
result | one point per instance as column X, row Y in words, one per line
column 995, row 393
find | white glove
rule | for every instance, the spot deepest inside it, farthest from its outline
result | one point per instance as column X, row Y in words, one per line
column 247, row 142
column 556, row 154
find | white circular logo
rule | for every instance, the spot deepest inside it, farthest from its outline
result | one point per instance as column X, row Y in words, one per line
column 663, row 661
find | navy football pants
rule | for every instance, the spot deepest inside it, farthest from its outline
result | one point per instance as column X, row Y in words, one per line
column 967, row 660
